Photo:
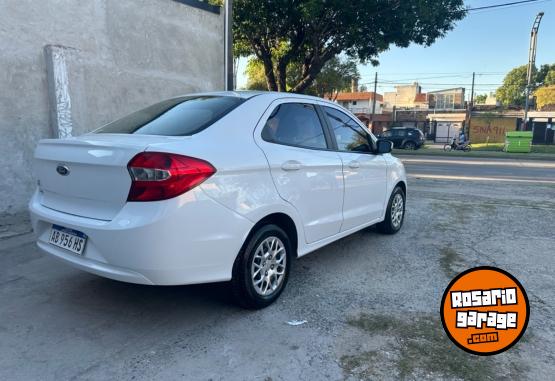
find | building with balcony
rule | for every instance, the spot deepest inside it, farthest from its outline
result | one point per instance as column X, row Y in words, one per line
column 360, row 102
column 448, row 99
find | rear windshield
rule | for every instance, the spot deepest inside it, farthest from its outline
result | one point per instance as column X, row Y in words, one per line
column 175, row 117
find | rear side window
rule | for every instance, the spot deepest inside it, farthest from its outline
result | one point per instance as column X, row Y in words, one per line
column 394, row 133
column 175, row 117
column 295, row 124
column 350, row 136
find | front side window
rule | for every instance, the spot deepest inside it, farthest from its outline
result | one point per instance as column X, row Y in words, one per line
column 350, row 136
column 183, row 116
column 295, row 124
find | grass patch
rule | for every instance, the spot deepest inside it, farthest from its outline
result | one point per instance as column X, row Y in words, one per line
column 448, row 258
column 539, row 151
column 488, row 146
column 544, row 149
column 498, row 147
column 421, row 349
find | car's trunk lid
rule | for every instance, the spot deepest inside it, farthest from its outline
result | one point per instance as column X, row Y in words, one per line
column 87, row 176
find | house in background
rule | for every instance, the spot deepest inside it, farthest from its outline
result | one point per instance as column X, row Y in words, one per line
column 405, row 96
column 491, row 100
column 448, row 99
column 443, row 127
column 421, row 101
column 360, row 102
column 377, row 123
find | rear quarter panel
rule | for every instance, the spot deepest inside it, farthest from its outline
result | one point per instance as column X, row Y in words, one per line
column 243, row 182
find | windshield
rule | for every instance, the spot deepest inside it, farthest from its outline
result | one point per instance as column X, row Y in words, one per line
column 182, row 116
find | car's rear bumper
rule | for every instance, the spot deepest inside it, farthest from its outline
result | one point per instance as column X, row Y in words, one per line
column 186, row 240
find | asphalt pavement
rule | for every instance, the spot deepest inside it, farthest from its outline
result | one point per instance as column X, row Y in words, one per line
column 479, row 169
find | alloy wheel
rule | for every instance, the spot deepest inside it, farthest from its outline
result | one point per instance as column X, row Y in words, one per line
column 397, row 210
column 268, row 266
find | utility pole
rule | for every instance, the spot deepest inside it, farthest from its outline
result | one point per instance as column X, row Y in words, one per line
column 470, row 105
column 228, row 46
column 374, row 101
column 531, row 65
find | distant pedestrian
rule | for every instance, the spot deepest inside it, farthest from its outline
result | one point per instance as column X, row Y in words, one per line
column 462, row 136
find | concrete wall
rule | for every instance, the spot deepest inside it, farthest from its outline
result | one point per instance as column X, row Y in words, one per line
column 403, row 96
column 120, row 55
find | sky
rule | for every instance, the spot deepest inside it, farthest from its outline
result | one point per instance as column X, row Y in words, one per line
column 489, row 42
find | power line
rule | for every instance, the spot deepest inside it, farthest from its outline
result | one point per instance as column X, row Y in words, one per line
column 441, row 75
column 435, row 83
column 501, row 5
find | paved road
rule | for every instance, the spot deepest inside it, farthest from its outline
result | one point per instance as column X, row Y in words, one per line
column 476, row 169
column 371, row 303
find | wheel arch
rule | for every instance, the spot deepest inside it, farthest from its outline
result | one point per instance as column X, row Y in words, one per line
column 403, row 186
column 282, row 220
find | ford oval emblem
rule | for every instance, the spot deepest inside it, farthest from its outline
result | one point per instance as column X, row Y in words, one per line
column 62, row 170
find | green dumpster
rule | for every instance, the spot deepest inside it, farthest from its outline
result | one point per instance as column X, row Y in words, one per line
column 518, row 141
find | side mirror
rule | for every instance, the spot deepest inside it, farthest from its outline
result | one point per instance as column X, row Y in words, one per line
column 383, row 146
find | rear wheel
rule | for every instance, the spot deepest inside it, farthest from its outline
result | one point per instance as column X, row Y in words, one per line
column 261, row 269
column 395, row 213
column 410, row 146
column 467, row 148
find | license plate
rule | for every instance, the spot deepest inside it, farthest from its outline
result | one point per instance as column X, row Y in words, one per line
column 68, row 239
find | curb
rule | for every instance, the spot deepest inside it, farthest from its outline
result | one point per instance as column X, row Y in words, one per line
column 476, row 154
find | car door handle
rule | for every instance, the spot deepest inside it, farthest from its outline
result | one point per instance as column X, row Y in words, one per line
column 354, row 164
column 291, row 165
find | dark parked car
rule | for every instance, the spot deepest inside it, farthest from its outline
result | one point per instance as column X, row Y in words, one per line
column 405, row 137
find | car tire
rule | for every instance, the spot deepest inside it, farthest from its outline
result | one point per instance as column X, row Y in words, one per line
column 261, row 269
column 409, row 146
column 393, row 220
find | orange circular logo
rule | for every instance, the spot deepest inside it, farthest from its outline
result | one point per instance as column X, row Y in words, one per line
column 485, row 310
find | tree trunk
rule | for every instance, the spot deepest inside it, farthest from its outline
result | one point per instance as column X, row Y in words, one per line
column 307, row 79
column 282, row 76
column 269, row 73
column 311, row 68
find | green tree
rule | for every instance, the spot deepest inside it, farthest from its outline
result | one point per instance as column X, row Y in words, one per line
column 480, row 99
column 255, row 75
column 513, row 90
column 549, row 78
column 545, row 95
column 545, row 76
column 309, row 33
column 336, row 75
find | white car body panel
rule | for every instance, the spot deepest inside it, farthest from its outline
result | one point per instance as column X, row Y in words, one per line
column 365, row 177
column 314, row 184
column 195, row 237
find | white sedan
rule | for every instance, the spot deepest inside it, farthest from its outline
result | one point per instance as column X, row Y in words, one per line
column 214, row 187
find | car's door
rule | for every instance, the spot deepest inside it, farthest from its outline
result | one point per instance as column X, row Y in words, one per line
column 364, row 172
column 306, row 170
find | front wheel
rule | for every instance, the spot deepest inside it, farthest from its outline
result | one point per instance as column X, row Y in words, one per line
column 447, row 147
column 261, row 269
column 395, row 213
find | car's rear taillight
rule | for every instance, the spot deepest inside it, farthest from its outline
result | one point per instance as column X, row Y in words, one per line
column 160, row 176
